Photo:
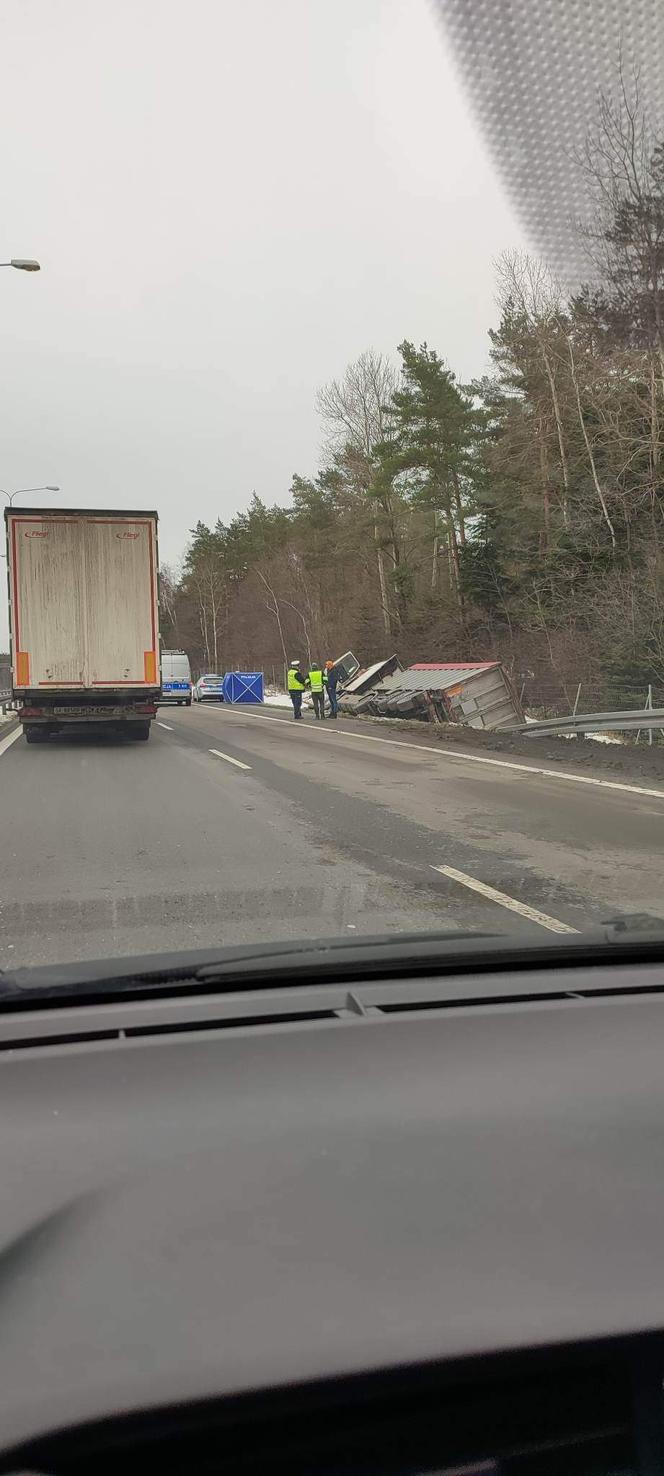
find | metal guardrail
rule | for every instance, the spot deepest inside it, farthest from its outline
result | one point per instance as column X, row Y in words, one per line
column 594, row 722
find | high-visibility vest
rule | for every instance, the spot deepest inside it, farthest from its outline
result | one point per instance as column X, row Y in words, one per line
column 316, row 681
column 295, row 679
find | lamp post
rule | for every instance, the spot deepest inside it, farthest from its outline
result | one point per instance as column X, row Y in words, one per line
column 22, row 264
column 11, row 495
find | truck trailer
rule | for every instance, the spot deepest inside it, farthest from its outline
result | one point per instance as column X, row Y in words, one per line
column 84, row 619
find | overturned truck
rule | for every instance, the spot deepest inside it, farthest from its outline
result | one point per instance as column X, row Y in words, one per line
column 478, row 694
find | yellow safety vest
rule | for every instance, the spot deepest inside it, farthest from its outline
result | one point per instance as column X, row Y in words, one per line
column 295, row 679
column 316, row 681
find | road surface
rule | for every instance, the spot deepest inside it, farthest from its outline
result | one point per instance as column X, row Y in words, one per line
column 237, row 824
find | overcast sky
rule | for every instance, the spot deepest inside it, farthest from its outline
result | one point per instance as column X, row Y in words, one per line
column 230, row 200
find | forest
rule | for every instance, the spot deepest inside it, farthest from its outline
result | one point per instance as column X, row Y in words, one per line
column 519, row 517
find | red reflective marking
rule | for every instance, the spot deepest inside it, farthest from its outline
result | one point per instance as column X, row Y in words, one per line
column 17, row 642
column 106, row 522
column 153, row 594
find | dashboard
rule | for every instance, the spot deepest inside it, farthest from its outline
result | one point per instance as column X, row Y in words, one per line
column 337, row 1228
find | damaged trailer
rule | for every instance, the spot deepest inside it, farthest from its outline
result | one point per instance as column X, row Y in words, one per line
column 476, row 694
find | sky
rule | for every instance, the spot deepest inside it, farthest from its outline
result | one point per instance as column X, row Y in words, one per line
column 229, row 201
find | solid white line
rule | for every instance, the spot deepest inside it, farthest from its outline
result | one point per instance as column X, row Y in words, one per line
column 218, row 754
column 552, row 923
column 167, row 726
column 6, row 743
column 469, row 758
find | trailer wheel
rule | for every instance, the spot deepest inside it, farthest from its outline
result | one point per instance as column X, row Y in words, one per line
column 140, row 731
column 35, row 735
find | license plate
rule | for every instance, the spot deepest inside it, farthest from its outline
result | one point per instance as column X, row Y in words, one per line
column 76, row 712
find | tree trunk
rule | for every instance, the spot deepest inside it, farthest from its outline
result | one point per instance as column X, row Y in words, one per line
column 382, row 584
column 203, row 621
column 274, row 610
column 561, row 440
column 215, row 647
column 394, row 536
column 544, row 473
column 588, row 447
column 454, row 558
column 435, row 551
column 305, row 628
column 654, row 446
column 459, row 508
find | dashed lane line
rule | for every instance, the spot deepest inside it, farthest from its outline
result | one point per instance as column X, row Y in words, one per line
column 218, row 754
column 463, row 758
column 167, row 726
column 493, row 895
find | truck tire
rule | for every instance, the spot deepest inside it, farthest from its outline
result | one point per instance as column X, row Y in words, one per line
column 35, row 735
column 140, row 731
column 188, row 702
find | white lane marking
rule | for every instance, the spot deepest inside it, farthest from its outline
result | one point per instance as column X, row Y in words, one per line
column 552, row 923
column 6, row 743
column 470, row 758
column 218, row 754
column 167, row 726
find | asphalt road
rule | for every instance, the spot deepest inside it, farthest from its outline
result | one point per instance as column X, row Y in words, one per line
column 235, row 825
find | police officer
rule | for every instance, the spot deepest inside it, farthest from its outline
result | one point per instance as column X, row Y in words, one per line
column 296, row 685
column 317, row 688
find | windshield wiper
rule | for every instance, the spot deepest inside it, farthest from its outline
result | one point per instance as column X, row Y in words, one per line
column 240, row 964
column 329, row 960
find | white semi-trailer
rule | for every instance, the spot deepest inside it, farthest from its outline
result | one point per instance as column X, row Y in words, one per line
column 84, row 619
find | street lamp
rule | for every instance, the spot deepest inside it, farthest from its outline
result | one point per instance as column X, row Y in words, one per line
column 11, row 495
column 22, row 264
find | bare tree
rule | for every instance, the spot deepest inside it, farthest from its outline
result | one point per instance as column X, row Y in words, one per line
column 272, row 604
column 623, row 162
column 354, row 411
column 168, row 602
column 354, row 408
column 210, row 585
column 527, row 285
column 624, row 167
column 589, row 450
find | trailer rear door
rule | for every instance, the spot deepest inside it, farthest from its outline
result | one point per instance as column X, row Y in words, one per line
column 121, row 640
column 83, row 600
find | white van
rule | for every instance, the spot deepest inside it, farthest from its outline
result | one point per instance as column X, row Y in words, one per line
column 175, row 677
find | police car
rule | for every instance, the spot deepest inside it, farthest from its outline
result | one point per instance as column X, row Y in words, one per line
column 209, row 688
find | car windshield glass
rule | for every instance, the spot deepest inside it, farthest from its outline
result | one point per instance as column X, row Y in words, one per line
column 332, row 475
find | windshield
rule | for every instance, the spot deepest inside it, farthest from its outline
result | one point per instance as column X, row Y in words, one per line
column 332, row 470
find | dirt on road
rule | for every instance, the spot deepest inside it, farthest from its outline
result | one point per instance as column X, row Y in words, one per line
column 627, row 761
